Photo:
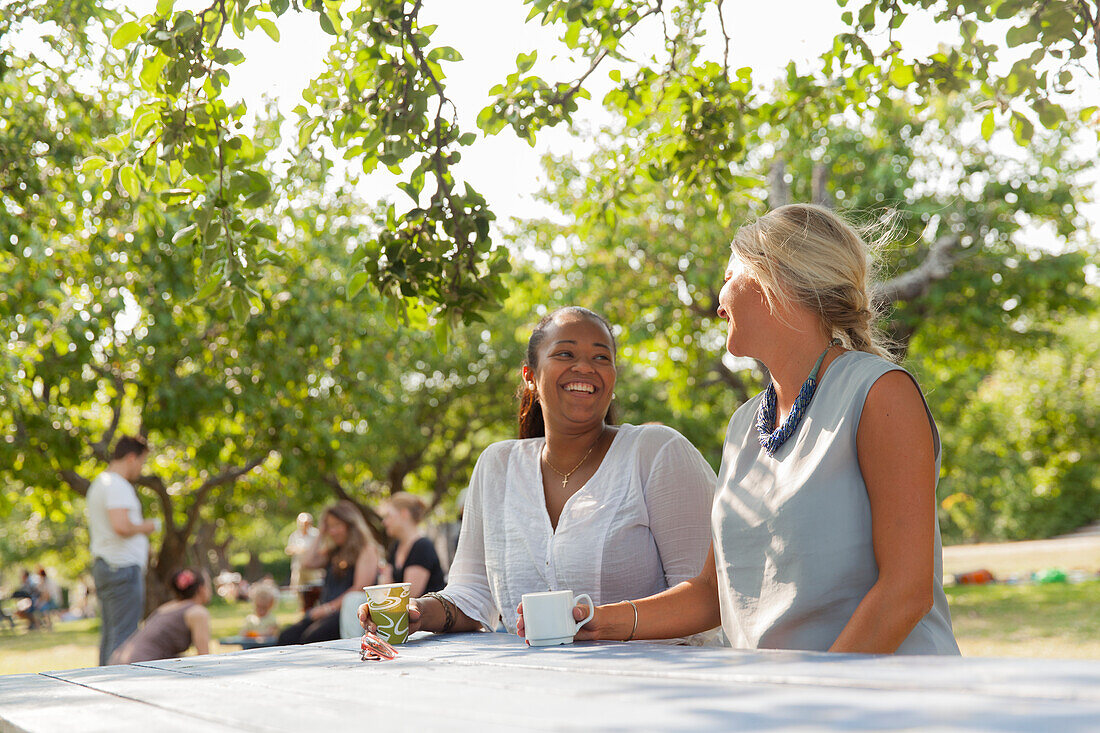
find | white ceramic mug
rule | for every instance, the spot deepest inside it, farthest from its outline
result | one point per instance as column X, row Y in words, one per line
column 548, row 617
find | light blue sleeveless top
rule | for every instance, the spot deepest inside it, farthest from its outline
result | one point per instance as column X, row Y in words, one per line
column 793, row 531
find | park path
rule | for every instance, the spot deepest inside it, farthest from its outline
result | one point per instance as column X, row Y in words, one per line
column 1079, row 550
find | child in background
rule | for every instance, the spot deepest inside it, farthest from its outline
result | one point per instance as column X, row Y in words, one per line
column 262, row 622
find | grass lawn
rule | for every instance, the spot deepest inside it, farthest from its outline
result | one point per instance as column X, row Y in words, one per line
column 1053, row 621
column 74, row 644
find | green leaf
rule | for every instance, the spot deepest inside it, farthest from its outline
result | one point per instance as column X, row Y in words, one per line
column 92, row 164
column 867, row 16
column 357, row 282
column 902, row 76
column 525, row 61
column 444, row 53
column 279, row 6
column 129, row 181
column 239, row 307
column 184, row 236
column 269, row 28
column 211, row 286
column 164, row 7
column 326, row 24
column 572, row 34
column 150, row 71
column 143, row 120
column 1050, row 115
column 989, row 124
column 1022, row 128
column 442, row 335
column 125, row 34
column 1020, row 35
column 264, row 231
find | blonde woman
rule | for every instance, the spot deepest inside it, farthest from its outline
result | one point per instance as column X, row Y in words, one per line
column 412, row 557
column 824, row 522
column 349, row 555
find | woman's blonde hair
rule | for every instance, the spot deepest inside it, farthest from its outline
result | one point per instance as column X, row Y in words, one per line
column 412, row 503
column 806, row 254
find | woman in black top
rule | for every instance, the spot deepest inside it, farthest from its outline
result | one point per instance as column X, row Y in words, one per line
column 412, row 556
column 349, row 555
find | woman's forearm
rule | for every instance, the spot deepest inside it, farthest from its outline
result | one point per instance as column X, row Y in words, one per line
column 433, row 617
column 884, row 618
column 688, row 608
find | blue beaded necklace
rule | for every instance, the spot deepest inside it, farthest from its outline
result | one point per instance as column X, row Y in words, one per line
column 770, row 438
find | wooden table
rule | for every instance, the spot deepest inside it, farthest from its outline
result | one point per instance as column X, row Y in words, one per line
column 487, row 682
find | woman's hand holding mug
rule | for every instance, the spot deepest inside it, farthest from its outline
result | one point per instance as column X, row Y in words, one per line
column 548, row 621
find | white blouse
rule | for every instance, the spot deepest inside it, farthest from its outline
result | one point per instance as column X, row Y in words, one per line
column 640, row 525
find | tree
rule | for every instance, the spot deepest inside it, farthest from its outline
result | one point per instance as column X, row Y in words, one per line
column 383, row 102
column 1026, row 443
column 963, row 281
column 107, row 331
column 1056, row 46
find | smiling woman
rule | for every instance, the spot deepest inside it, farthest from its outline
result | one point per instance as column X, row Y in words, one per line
column 577, row 502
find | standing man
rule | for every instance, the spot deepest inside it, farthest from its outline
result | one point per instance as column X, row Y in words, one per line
column 120, row 543
column 306, row 581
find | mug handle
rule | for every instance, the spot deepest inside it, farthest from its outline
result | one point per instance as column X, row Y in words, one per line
column 591, row 610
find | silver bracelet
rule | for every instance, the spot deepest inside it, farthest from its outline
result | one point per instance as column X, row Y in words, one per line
column 635, row 621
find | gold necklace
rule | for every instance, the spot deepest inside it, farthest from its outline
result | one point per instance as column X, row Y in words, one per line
column 565, row 476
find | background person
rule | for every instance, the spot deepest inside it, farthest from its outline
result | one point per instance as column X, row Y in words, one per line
column 27, row 597
column 49, row 598
column 577, row 502
column 412, row 557
column 306, row 581
column 349, row 555
column 262, row 622
column 119, row 543
column 825, row 529
column 175, row 626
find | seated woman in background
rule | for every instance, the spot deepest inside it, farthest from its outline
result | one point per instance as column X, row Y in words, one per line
column 578, row 503
column 174, row 626
column 412, row 557
column 349, row 555
column 825, row 530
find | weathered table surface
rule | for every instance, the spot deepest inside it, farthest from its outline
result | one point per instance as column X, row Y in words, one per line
column 494, row 682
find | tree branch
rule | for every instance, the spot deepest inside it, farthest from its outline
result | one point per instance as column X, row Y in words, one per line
column 937, row 265
column 726, row 41
column 76, row 482
column 562, row 99
column 101, row 448
column 227, row 476
column 157, row 485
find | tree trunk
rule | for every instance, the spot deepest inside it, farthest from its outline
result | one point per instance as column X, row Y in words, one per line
column 171, row 556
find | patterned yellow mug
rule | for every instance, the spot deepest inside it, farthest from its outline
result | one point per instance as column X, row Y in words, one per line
column 389, row 609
